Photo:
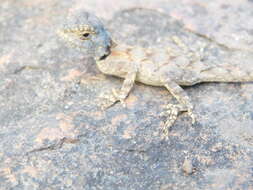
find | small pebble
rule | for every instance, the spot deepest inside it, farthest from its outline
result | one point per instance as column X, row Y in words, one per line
column 187, row 167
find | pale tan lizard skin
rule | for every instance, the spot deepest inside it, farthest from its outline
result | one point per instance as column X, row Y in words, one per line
column 151, row 66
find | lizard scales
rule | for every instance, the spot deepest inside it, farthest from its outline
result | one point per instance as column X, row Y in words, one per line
column 157, row 51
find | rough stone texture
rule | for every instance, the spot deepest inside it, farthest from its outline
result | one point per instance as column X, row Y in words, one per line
column 55, row 136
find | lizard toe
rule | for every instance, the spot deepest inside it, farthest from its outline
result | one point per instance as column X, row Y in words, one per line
column 171, row 112
column 192, row 116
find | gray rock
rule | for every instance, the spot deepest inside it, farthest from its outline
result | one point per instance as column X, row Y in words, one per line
column 55, row 136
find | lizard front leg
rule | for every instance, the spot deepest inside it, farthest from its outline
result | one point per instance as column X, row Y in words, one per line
column 121, row 94
column 173, row 110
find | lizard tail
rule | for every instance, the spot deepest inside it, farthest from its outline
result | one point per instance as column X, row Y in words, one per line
column 229, row 66
column 227, row 74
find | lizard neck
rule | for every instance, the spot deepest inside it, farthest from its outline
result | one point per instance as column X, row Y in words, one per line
column 115, row 63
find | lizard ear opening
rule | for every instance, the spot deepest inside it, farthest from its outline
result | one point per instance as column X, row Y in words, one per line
column 103, row 57
column 106, row 54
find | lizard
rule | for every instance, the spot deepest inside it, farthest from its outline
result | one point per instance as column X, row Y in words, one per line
column 183, row 58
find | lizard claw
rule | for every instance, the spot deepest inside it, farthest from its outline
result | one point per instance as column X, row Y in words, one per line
column 192, row 116
column 172, row 111
column 119, row 97
column 111, row 99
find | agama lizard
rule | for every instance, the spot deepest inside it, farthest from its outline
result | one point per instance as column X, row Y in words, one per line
column 183, row 59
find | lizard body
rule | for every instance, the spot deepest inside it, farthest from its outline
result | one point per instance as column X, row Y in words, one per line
column 181, row 59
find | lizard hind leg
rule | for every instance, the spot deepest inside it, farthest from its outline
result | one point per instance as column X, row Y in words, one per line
column 172, row 111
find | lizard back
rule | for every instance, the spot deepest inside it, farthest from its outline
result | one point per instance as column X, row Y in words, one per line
column 170, row 47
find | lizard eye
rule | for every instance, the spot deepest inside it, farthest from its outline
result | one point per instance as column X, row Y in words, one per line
column 86, row 34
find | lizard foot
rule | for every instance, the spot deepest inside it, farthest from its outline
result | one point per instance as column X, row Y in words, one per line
column 172, row 111
column 112, row 98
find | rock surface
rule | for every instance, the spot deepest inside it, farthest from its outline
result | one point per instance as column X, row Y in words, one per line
column 55, row 136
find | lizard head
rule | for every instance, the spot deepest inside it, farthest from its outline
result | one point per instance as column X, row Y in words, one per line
column 86, row 32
